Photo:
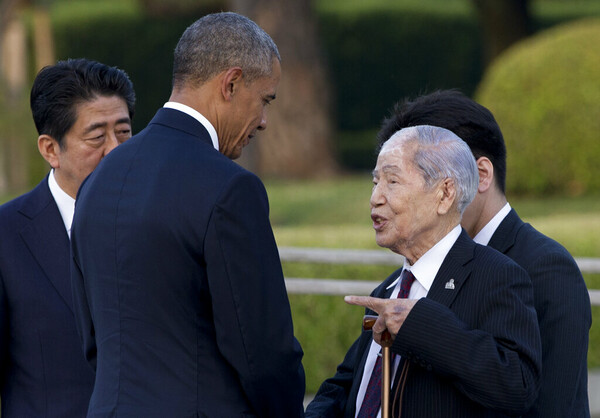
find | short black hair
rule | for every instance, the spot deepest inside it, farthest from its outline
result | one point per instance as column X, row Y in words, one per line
column 452, row 110
column 59, row 88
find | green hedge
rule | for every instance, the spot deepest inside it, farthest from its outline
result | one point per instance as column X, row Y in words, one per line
column 377, row 58
column 377, row 54
column 141, row 46
column 545, row 94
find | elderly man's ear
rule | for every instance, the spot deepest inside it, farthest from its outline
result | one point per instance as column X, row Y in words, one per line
column 446, row 196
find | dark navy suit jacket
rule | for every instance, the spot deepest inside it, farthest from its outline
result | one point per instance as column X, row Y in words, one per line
column 179, row 293
column 42, row 369
column 471, row 350
column 563, row 308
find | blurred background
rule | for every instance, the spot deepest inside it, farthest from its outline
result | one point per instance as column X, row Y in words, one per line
column 534, row 63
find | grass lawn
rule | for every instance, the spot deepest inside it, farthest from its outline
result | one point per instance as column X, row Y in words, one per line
column 334, row 213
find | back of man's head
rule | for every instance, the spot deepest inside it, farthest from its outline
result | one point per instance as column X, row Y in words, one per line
column 59, row 88
column 220, row 41
column 452, row 110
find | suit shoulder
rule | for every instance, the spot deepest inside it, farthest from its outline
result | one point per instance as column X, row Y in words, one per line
column 531, row 246
column 532, row 238
column 27, row 204
column 492, row 258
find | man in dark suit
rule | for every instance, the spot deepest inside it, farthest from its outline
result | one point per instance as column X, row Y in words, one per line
column 561, row 298
column 82, row 110
column 178, row 287
column 464, row 333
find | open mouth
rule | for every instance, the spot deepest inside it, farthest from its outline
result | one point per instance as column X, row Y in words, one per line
column 378, row 221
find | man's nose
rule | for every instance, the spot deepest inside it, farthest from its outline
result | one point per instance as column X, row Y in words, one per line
column 377, row 197
column 111, row 143
column 263, row 122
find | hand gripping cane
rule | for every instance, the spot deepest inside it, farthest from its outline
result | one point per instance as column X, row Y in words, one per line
column 386, row 339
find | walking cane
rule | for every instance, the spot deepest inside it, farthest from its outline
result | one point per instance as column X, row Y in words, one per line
column 368, row 322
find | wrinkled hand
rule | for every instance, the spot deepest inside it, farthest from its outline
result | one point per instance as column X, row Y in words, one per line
column 392, row 314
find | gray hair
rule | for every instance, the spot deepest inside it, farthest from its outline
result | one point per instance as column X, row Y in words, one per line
column 220, row 41
column 441, row 154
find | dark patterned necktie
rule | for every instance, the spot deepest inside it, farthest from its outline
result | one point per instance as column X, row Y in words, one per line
column 372, row 401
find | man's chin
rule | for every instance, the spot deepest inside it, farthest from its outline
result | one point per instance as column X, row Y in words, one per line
column 235, row 154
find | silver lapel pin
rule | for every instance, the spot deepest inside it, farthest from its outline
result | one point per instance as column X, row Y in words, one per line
column 450, row 284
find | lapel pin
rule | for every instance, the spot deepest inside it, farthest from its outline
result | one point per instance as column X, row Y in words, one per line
column 450, row 284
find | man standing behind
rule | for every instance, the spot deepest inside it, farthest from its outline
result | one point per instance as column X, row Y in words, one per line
column 561, row 298
column 82, row 110
column 178, row 287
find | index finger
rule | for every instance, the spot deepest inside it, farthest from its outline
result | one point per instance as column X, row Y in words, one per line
column 375, row 304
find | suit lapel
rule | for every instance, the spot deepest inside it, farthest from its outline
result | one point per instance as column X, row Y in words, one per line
column 47, row 240
column 453, row 272
column 505, row 235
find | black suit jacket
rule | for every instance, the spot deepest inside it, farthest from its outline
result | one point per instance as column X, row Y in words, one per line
column 178, row 287
column 563, row 308
column 471, row 351
column 42, row 369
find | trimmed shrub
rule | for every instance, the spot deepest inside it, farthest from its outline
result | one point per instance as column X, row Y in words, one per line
column 545, row 94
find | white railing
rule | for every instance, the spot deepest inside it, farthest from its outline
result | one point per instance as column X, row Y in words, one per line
column 364, row 287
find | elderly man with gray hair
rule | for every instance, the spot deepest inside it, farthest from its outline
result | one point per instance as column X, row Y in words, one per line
column 464, row 335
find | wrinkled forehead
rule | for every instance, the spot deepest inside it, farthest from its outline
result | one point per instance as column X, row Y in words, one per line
column 398, row 145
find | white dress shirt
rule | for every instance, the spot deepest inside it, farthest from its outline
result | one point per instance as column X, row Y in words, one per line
column 424, row 270
column 199, row 117
column 65, row 203
column 485, row 235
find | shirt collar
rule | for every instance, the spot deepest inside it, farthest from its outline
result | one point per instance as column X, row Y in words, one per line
column 199, row 117
column 65, row 203
column 485, row 235
column 426, row 268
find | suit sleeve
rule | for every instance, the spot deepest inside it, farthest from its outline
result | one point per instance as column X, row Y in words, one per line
column 333, row 395
column 83, row 317
column 564, row 315
column 250, row 305
column 496, row 361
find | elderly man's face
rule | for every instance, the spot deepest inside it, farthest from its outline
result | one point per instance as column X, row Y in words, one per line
column 403, row 209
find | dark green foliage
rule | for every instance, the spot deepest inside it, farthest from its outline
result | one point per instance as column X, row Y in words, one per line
column 376, row 55
column 380, row 57
column 141, row 46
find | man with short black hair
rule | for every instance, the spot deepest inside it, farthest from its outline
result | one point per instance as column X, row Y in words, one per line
column 82, row 109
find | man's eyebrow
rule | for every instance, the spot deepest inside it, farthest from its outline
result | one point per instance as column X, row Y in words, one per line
column 94, row 126
column 103, row 124
column 124, row 120
column 391, row 168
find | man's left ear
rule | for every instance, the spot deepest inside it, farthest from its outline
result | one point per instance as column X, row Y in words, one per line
column 447, row 196
column 230, row 82
column 50, row 150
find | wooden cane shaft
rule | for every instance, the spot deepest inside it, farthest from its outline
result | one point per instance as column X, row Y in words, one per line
column 385, row 382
